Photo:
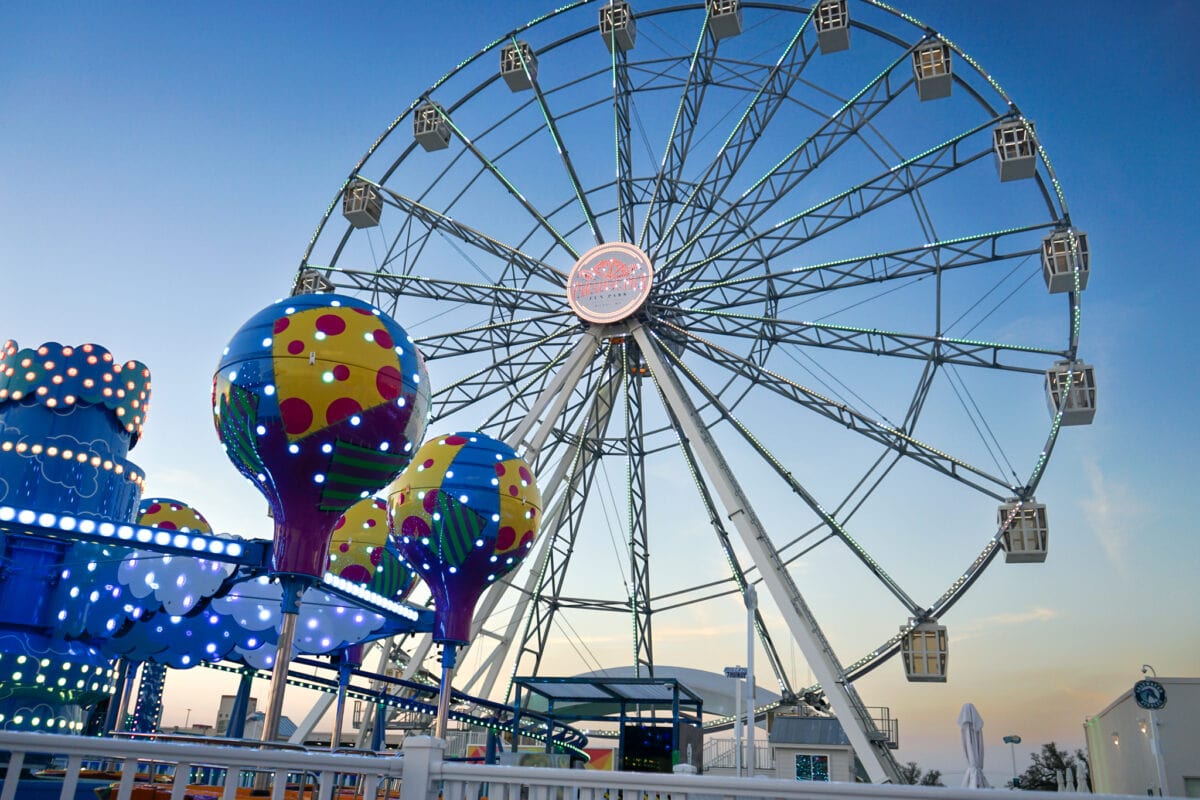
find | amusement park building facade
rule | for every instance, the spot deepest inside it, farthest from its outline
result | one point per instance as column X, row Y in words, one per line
column 1133, row 750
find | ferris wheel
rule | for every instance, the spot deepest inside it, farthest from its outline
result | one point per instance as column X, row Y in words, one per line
column 770, row 294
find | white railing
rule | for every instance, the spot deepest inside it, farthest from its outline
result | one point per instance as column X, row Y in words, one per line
column 426, row 776
column 320, row 771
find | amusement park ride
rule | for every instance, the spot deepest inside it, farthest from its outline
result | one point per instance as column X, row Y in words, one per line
column 789, row 293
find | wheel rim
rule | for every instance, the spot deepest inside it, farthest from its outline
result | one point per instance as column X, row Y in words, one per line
column 772, row 281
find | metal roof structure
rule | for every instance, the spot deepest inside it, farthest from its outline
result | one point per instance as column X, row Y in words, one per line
column 615, row 694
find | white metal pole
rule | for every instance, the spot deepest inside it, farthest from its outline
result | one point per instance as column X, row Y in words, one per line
column 1156, row 748
column 737, row 727
column 751, row 607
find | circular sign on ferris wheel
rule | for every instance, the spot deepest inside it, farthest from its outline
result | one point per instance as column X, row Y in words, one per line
column 609, row 282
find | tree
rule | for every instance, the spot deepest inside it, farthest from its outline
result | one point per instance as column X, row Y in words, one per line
column 1042, row 773
column 913, row 774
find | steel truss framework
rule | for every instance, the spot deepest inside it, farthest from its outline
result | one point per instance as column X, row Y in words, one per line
column 828, row 252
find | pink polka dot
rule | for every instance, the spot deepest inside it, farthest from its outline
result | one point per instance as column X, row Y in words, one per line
column 166, row 523
column 341, row 372
column 281, row 324
column 415, row 527
column 297, row 415
column 499, row 469
column 505, row 538
column 370, row 523
column 341, row 409
column 430, row 501
column 427, row 463
column 154, row 508
column 330, row 324
column 383, row 338
column 365, row 312
column 341, row 521
column 525, row 474
column 344, row 547
column 376, row 556
column 381, row 505
column 357, row 573
column 388, row 383
column 456, row 440
column 295, row 347
column 513, row 490
column 526, row 538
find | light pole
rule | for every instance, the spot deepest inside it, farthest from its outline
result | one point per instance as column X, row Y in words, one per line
column 1155, row 743
column 737, row 673
column 187, row 719
column 751, row 608
column 1013, row 741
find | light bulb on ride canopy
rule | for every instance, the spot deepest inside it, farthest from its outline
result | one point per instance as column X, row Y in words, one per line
column 319, row 400
column 466, row 510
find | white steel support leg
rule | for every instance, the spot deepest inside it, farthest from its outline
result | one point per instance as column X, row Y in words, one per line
column 598, row 419
column 558, row 390
column 314, row 716
column 560, row 386
column 816, row 649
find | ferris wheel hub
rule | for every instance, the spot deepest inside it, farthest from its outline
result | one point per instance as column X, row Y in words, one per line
column 610, row 282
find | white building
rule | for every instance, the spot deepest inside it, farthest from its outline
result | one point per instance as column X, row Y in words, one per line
column 1132, row 750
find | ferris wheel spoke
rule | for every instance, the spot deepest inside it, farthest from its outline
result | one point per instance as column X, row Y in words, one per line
column 488, row 295
column 436, row 220
column 670, row 172
column 942, row 349
column 911, row 262
column 509, row 186
column 563, row 153
column 894, row 438
column 851, row 204
column 485, row 383
column 640, row 606
column 495, row 336
column 623, row 139
column 747, row 131
column 804, row 159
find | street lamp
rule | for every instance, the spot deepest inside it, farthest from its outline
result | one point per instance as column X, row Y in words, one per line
column 1013, row 741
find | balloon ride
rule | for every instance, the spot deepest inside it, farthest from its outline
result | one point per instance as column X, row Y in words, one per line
column 318, row 400
column 466, row 511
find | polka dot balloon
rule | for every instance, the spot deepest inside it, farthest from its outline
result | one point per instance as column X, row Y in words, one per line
column 466, row 511
column 363, row 551
column 319, row 400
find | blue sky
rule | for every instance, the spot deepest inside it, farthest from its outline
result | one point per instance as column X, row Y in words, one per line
column 164, row 168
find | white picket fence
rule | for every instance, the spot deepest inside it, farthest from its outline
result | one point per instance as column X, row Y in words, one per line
column 422, row 774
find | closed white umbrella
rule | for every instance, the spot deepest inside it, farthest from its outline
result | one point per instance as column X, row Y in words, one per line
column 971, row 726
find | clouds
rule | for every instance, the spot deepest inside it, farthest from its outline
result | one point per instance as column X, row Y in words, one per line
column 175, row 583
column 325, row 622
column 1112, row 513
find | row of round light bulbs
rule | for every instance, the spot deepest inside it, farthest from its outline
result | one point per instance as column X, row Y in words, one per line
column 67, row 454
column 51, row 722
column 195, row 542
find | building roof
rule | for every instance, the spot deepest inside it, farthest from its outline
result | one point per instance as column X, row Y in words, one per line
column 787, row 729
